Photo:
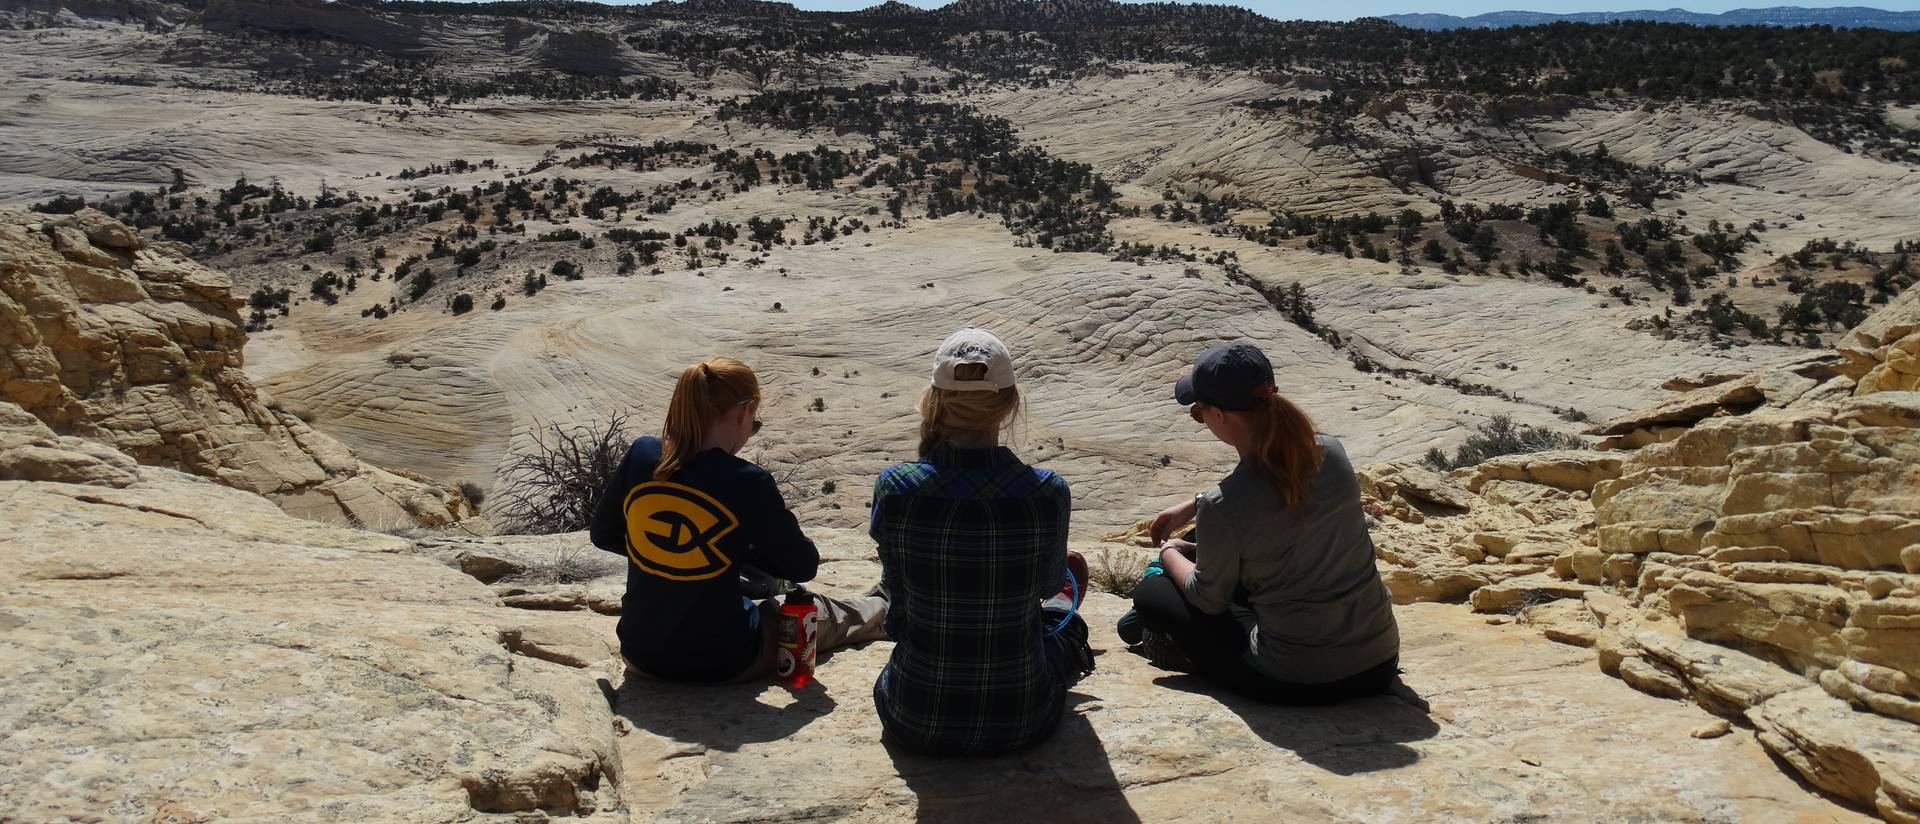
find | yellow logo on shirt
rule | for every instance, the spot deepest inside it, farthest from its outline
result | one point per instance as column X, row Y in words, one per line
column 673, row 531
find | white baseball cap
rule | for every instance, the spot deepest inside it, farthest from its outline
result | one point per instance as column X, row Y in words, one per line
column 973, row 346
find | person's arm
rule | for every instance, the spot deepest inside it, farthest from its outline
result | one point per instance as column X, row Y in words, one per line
column 1176, row 560
column 778, row 546
column 1209, row 579
column 1062, row 495
column 1171, row 519
column 881, row 488
column 609, row 528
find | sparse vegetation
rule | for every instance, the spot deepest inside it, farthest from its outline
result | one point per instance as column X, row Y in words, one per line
column 1501, row 436
column 1116, row 571
column 555, row 482
column 570, row 564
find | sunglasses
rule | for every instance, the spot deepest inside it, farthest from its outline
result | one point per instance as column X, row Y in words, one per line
column 756, row 421
column 1194, row 412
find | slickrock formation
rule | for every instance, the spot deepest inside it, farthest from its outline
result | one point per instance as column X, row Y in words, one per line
column 175, row 650
column 1759, row 552
column 227, row 662
column 132, row 345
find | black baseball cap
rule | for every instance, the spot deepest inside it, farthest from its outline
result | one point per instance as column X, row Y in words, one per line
column 1230, row 376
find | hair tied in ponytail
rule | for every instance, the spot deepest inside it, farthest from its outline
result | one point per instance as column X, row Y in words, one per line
column 704, row 391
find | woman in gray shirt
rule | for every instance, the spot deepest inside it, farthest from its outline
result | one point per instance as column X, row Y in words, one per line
column 1279, row 598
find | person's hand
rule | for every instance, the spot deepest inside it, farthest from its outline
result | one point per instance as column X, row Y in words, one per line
column 1171, row 519
column 1185, row 548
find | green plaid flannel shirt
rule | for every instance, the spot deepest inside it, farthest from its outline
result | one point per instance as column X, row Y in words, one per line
column 971, row 541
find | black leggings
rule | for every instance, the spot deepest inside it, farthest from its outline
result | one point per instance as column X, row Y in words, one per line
column 1217, row 646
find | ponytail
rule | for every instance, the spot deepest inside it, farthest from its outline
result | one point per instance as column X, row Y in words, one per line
column 945, row 413
column 705, row 391
column 1284, row 446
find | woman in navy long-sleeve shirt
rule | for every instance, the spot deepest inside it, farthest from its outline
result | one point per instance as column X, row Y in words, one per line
column 686, row 511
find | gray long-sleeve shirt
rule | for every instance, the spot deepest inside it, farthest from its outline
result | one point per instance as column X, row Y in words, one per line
column 1307, row 571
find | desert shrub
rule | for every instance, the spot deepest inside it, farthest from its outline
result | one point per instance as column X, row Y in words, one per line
column 62, row 205
column 421, row 284
column 1501, row 436
column 554, row 485
column 1115, row 572
column 462, row 303
column 570, row 564
column 475, row 494
column 322, row 288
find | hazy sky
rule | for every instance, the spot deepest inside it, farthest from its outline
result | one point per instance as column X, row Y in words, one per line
column 1294, row 10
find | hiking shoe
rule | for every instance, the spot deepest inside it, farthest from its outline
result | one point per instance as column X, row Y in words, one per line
column 1159, row 647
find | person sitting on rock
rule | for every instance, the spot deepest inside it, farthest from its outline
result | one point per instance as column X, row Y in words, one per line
column 1279, row 599
column 973, row 555
column 690, row 516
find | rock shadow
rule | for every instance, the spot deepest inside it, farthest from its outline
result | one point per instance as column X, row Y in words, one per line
column 1362, row 735
column 1068, row 777
column 721, row 717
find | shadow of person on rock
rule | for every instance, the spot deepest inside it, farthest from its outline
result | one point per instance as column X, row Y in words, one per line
column 1068, row 777
column 721, row 717
column 1359, row 735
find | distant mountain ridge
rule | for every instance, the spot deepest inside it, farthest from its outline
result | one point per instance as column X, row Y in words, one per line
column 1853, row 17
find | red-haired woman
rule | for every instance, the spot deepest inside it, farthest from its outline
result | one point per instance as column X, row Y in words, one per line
column 687, row 512
column 1279, row 599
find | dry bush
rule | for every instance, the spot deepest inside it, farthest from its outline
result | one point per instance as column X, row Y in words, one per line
column 555, row 486
column 1501, row 436
column 570, row 565
column 1117, row 572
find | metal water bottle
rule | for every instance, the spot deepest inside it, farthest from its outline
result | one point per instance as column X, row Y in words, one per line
column 799, row 619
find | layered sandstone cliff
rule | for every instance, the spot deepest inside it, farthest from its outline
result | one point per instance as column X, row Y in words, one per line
column 1753, row 544
column 130, row 344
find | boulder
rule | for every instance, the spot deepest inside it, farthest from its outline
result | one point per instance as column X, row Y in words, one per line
column 1413, row 488
column 1858, row 756
column 1882, row 354
column 1778, row 387
column 1724, row 681
column 29, row 451
column 1564, row 469
column 1518, row 593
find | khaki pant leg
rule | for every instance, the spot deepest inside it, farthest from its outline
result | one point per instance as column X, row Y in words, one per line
column 848, row 621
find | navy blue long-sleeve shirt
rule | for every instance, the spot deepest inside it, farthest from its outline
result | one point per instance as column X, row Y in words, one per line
column 683, row 616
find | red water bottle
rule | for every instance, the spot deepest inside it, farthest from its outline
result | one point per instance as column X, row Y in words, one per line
column 799, row 619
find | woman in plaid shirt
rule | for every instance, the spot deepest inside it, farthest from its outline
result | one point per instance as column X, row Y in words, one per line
column 974, row 560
